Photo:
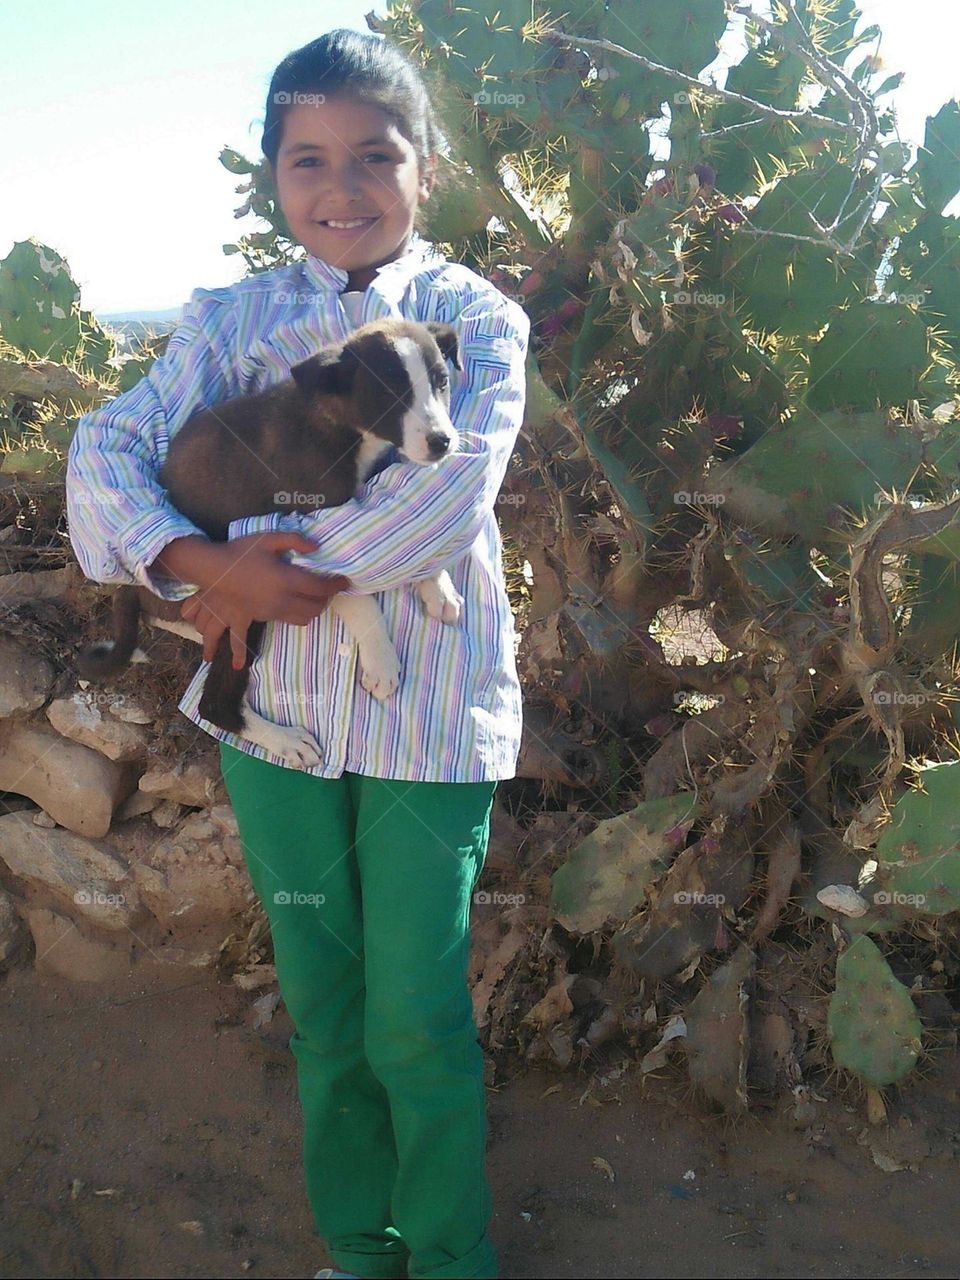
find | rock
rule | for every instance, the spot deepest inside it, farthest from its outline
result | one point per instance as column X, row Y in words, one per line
column 77, row 786
column 225, row 818
column 128, row 711
column 81, row 718
column 843, row 898
column 42, row 819
column 64, row 951
column 25, row 678
column 13, row 931
column 166, row 813
column 135, row 806
column 197, row 784
column 45, row 584
column 188, row 883
column 83, row 880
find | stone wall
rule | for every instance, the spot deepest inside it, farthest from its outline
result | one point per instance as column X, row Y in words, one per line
column 111, row 853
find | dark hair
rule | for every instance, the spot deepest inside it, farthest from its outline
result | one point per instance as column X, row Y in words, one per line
column 365, row 65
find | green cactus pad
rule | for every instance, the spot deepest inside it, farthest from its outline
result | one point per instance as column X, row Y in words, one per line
column 872, row 354
column 872, row 1022
column 788, row 286
column 682, row 35
column 39, row 302
column 918, row 853
column 934, row 627
column 803, row 477
column 606, row 876
column 938, row 160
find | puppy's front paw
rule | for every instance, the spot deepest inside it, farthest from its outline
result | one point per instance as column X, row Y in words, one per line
column 441, row 599
column 380, row 672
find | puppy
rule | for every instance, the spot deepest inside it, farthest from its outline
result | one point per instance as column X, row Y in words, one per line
column 321, row 431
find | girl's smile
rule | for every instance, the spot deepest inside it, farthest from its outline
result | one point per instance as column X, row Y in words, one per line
column 349, row 184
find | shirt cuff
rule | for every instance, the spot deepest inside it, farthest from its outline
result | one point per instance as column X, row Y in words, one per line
column 143, row 540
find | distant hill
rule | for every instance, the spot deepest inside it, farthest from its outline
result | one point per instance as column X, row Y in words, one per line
column 138, row 324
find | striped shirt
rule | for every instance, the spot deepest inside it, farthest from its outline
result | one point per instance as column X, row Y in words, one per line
column 457, row 715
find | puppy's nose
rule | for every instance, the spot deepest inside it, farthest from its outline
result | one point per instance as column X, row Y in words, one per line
column 438, row 443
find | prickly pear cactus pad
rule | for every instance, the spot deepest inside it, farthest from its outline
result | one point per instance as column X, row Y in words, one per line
column 718, row 1032
column 918, row 854
column 873, row 1025
column 606, row 876
column 816, row 473
column 872, row 353
column 38, row 302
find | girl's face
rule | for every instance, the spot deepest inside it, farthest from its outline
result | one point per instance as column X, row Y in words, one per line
column 346, row 160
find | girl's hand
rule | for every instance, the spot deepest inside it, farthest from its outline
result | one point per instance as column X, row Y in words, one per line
column 252, row 583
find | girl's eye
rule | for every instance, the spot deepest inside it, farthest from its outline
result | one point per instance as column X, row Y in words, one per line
column 377, row 155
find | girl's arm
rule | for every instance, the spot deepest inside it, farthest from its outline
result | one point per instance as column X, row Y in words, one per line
column 410, row 521
column 118, row 513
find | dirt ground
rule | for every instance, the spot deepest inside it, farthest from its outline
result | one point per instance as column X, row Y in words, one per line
column 147, row 1129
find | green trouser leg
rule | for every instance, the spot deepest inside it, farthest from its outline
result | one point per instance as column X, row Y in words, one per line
column 367, row 883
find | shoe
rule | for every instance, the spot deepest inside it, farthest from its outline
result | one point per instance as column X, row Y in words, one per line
column 327, row 1274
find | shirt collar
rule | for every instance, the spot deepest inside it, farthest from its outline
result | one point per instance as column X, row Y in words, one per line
column 390, row 279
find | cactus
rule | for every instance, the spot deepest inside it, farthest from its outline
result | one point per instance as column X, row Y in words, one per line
column 39, row 302
column 918, row 852
column 872, row 1023
column 40, row 311
column 928, row 261
column 817, row 472
column 718, row 1032
column 872, row 353
column 605, row 877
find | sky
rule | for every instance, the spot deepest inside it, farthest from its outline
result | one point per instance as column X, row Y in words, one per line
column 114, row 115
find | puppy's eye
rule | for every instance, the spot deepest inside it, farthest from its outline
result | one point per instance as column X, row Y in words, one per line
column 439, row 379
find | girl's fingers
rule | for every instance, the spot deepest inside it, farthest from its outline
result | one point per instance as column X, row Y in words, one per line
column 238, row 645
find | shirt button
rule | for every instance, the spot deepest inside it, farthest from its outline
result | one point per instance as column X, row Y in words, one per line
column 344, row 649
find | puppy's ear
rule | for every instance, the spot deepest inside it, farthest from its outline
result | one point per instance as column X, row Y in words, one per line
column 446, row 338
column 328, row 373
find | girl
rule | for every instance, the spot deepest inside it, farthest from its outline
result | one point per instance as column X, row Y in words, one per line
column 365, row 865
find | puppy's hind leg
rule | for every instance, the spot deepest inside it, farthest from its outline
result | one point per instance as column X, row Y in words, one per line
column 298, row 748
column 224, row 703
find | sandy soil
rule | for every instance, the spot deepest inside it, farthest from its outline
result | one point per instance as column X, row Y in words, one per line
column 147, row 1129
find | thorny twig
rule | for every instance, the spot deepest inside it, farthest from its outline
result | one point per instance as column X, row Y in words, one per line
column 862, row 125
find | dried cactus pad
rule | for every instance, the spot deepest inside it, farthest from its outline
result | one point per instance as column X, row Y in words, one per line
column 606, row 876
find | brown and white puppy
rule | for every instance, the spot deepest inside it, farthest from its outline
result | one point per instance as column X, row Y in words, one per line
column 309, row 442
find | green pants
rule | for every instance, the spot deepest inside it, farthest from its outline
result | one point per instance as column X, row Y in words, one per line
column 367, row 883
